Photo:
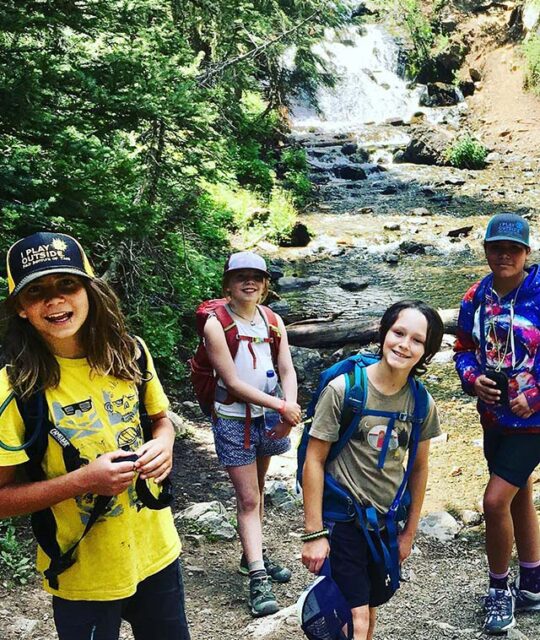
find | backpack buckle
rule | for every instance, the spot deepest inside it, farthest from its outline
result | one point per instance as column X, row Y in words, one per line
column 404, row 417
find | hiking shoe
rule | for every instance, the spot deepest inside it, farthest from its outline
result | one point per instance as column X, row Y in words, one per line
column 275, row 572
column 262, row 600
column 499, row 605
column 524, row 600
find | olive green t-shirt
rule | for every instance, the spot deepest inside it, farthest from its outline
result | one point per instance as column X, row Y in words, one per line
column 355, row 468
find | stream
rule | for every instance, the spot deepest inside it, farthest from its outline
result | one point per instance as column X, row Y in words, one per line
column 384, row 222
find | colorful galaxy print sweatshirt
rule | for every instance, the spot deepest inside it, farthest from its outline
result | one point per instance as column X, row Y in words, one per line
column 511, row 329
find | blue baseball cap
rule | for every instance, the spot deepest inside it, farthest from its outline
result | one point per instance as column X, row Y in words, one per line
column 42, row 254
column 508, row 226
column 323, row 611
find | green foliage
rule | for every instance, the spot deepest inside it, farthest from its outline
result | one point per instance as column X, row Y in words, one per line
column 531, row 51
column 16, row 565
column 467, row 153
column 115, row 116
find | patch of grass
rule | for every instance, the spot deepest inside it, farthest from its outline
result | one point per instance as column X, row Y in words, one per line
column 531, row 51
column 16, row 563
column 467, row 153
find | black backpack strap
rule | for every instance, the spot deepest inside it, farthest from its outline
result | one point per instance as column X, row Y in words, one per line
column 165, row 497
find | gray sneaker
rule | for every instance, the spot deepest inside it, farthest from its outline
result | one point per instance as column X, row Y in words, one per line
column 499, row 605
column 275, row 572
column 262, row 600
column 524, row 600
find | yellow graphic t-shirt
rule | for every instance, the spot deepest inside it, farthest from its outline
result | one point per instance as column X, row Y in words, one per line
column 98, row 414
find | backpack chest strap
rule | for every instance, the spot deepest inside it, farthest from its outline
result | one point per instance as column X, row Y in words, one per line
column 251, row 340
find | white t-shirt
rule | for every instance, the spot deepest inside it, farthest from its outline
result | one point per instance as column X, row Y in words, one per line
column 252, row 361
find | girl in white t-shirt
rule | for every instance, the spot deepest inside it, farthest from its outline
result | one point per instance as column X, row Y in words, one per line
column 246, row 454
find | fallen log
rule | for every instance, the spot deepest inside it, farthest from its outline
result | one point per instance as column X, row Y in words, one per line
column 320, row 335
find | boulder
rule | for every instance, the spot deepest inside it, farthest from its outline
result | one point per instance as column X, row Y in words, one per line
column 467, row 87
column 211, row 518
column 307, row 362
column 277, row 494
column 471, row 518
column 299, row 236
column 439, row 525
column 349, row 148
column 413, row 248
column 428, row 145
column 350, row 172
column 275, row 271
column 440, row 94
column 475, row 75
column 355, row 284
column 291, row 283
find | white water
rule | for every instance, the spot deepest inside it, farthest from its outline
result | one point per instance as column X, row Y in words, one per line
column 369, row 88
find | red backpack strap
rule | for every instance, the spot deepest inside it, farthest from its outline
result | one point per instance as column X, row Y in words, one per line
column 274, row 332
column 229, row 328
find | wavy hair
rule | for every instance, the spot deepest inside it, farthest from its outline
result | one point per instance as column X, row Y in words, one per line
column 435, row 330
column 109, row 349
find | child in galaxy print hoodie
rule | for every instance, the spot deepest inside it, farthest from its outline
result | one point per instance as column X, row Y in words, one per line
column 498, row 360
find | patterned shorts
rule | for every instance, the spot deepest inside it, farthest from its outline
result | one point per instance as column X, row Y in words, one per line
column 229, row 439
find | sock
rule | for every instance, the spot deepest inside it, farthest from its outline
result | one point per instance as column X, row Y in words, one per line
column 256, row 569
column 529, row 576
column 498, row 580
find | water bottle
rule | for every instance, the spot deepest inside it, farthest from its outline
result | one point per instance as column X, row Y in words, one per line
column 271, row 416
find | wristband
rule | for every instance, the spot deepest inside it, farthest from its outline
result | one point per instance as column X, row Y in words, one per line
column 281, row 409
column 315, row 535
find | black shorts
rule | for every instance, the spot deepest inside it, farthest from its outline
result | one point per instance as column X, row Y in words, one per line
column 359, row 578
column 512, row 457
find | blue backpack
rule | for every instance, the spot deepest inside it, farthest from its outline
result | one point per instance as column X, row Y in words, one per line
column 338, row 503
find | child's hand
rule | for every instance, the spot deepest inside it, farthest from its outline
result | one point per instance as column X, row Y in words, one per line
column 105, row 477
column 484, row 389
column 155, row 458
column 314, row 553
column 291, row 413
column 405, row 545
column 520, row 406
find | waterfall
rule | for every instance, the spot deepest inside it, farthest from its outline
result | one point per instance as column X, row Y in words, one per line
column 368, row 89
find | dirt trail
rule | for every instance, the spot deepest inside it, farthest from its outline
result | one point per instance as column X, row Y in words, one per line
column 441, row 600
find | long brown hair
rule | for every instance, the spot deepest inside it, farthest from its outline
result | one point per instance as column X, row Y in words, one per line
column 108, row 347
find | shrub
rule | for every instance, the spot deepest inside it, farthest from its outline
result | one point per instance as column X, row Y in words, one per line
column 531, row 50
column 467, row 153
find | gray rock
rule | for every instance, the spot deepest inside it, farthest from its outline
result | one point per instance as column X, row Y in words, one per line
column 290, row 283
column 307, row 362
column 349, row 148
column 277, row 494
column 180, row 427
column 355, row 284
column 281, row 307
column 428, row 145
column 413, row 248
column 392, row 226
column 299, row 236
column 421, row 211
column 350, row 172
column 391, row 258
column 271, row 627
column 212, row 519
column 440, row 94
column 275, row 271
column 470, row 518
column 439, row 525
column 475, row 75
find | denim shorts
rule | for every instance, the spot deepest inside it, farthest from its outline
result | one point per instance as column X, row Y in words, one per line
column 360, row 579
column 155, row 610
column 512, row 457
column 229, row 440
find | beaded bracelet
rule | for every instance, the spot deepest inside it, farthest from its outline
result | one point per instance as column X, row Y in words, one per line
column 315, row 535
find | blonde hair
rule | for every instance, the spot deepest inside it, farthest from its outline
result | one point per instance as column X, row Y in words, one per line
column 108, row 347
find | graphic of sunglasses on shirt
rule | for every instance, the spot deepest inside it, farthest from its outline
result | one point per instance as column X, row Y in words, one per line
column 82, row 407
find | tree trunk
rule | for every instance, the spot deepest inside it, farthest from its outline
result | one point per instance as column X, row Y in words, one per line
column 319, row 335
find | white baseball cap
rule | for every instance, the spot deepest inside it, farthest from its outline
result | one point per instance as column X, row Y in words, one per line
column 245, row 260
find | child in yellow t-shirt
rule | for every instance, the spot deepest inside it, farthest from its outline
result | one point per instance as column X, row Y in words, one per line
column 108, row 547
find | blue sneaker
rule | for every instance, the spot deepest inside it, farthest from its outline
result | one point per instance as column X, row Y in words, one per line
column 525, row 600
column 499, row 605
